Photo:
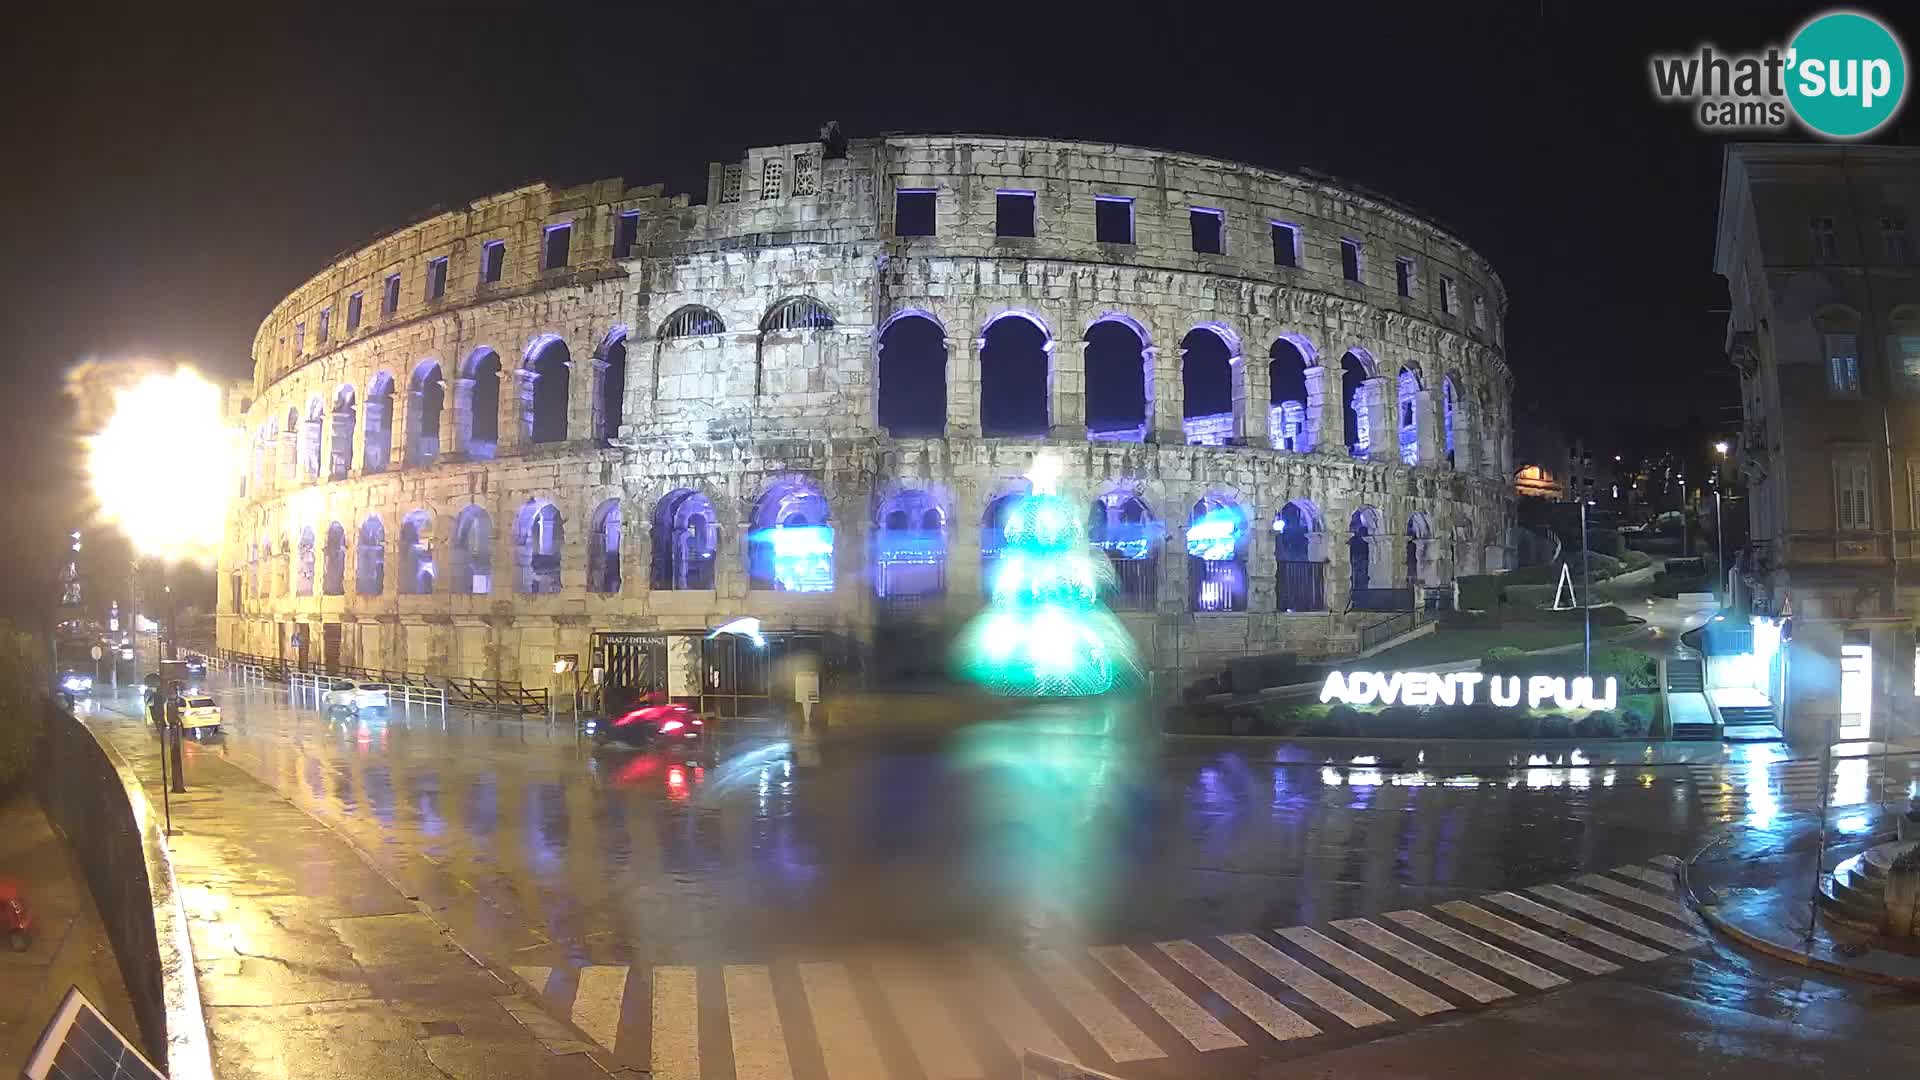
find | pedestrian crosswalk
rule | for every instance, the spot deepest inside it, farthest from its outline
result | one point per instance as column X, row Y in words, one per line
column 962, row 1013
column 1756, row 790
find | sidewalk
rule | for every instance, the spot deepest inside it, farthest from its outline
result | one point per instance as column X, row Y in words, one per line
column 70, row 946
column 310, row 963
column 1507, row 753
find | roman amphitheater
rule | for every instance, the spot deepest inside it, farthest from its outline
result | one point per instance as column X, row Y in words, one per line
column 605, row 420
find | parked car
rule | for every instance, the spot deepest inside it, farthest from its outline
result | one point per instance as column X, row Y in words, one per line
column 199, row 715
column 354, row 696
column 79, row 684
column 196, row 667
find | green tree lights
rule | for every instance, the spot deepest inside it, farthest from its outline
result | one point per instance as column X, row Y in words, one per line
column 1045, row 632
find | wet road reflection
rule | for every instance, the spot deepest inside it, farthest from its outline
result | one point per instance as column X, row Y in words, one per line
column 538, row 849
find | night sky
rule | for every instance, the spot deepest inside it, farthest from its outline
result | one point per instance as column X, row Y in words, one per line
column 169, row 176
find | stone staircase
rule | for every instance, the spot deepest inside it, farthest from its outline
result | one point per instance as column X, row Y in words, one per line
column 1854, row 895
column 1688, row 711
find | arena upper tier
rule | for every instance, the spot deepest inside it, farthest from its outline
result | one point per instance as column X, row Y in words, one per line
column 513, row 429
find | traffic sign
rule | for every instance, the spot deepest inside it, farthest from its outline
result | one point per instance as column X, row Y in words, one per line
column 98, row 652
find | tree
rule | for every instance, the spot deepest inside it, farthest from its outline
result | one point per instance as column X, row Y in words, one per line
column 1045, row 632
column 23, row 699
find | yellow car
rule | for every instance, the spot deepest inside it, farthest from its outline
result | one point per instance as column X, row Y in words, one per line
column 199, row 715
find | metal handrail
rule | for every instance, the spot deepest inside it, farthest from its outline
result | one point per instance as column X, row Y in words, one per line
column 490, row 695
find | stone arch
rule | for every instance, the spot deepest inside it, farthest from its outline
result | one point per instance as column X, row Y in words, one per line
column 610, row 389
column 303, row 574
column 1420, row 563
column 1300, row 550
column 1123, row 526
column 1117, row 355
column 343, row 419
column 1455, row 434
column 910, row 548
column 788, row 338
column 376, row 449
column 310, row 431
column 283, row 569
column 1209, row 361
column 691, row 320
column 790, row 539
column 1407, row 389
column 1016, row 375
column 333, row 561
column 993, row 521
column 796, row 313
column 470, row 553
column 370, row 558
column 1292, row 422
column 604, row 535
column 416, row 553
column 538, row 545
column 546, row 373
column 426, row 396
column 686, row 537
column 1217, row 554
column 1369, row 557
column 1358, row 397
column 476, row 404
column 911, row 373
column 290, row 448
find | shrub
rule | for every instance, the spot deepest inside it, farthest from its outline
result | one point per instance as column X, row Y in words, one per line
column 1604, row 542
column 1479, row 592
column 1635, row 669
column 1637, row 560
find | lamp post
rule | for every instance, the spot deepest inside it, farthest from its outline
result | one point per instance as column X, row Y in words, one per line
column 1719, row 530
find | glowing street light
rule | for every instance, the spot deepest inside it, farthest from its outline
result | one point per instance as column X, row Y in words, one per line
column 1720, row 448
column 160, row 469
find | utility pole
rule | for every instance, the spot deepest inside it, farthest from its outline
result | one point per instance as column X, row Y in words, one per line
column 1586, row 589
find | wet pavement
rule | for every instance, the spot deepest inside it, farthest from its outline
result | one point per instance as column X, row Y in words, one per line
column 852, row 909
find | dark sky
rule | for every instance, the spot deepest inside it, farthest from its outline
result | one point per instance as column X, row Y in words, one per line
column 167, row 176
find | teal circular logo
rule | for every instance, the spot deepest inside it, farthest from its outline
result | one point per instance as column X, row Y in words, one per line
column 1847, row 74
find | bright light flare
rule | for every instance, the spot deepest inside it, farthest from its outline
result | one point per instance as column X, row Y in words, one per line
column 162, row 468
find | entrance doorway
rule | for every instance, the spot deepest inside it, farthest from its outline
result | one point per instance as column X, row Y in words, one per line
column 330, row 645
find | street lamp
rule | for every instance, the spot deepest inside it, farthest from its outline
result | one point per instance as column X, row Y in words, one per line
column 1719, row 531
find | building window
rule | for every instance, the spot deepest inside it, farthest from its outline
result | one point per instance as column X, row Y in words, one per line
column 1854, row 484
column 913, row 212
column 436, row 278
column 493, row 260
column 558, row 246
column 772, row 173
column 1448, row 302
column 325, row 326
column 1843, row 365
column 806, row 175
column 1907, row 352
column 1113, row 219
column 1350, row 259
column 1209, row 231
column 1893, row 230
column 299, row 338
column 1013, row 213
column 1403, row 276
column 1825, row 242
column 1480, row 312
column 1286, row 244
column 626, row 233
column 730, row 184
column 390, row 300
column 353, row 311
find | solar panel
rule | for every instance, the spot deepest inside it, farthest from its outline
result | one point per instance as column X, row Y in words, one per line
column 79, row 1044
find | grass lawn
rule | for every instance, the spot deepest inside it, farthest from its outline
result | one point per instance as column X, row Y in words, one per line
column 1445, row 646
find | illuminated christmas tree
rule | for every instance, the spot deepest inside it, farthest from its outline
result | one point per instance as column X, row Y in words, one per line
column 1045, row 632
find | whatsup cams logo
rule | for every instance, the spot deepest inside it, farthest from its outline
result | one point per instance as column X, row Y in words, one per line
column 1843, row 75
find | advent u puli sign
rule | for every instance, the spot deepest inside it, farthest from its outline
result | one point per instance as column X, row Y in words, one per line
column 1464, row 688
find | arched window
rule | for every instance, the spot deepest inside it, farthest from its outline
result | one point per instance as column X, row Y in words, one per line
column 1448, row 398
column 1354, row 394
column 480, row 419
column 910, row 549
column 1015, row 373
column 787, row 343
column 1288, row 422
column 377, row 428
column 1119, row 380
column 340, row 444
column 612, row 396
column 1217, row 555
column 685, row 538
column 370, row 562
column 416, row 554
column 1421, row 568
column 992, row 535
column 333, row 576
column 537, row 545
column 551, row 367
column 692, row 321
column 1407, row 391
column 310, row 432
column 797, row 313
column 303, row 579
column 426, row 397
column 1121, row 527
column 470, row 559
column 1300, row 548
column 283, row 569
column 1363, row 544
column 912, row 370
column 1206, row 375
column 790, row 547
column 603, row 549
column 290, row 449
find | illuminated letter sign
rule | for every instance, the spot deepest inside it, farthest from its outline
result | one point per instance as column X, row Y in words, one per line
column 1423, row 688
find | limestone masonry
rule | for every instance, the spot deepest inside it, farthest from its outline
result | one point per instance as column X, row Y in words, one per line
column 556, row 414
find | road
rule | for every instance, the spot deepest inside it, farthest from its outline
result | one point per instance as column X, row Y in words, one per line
column 918, row 909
